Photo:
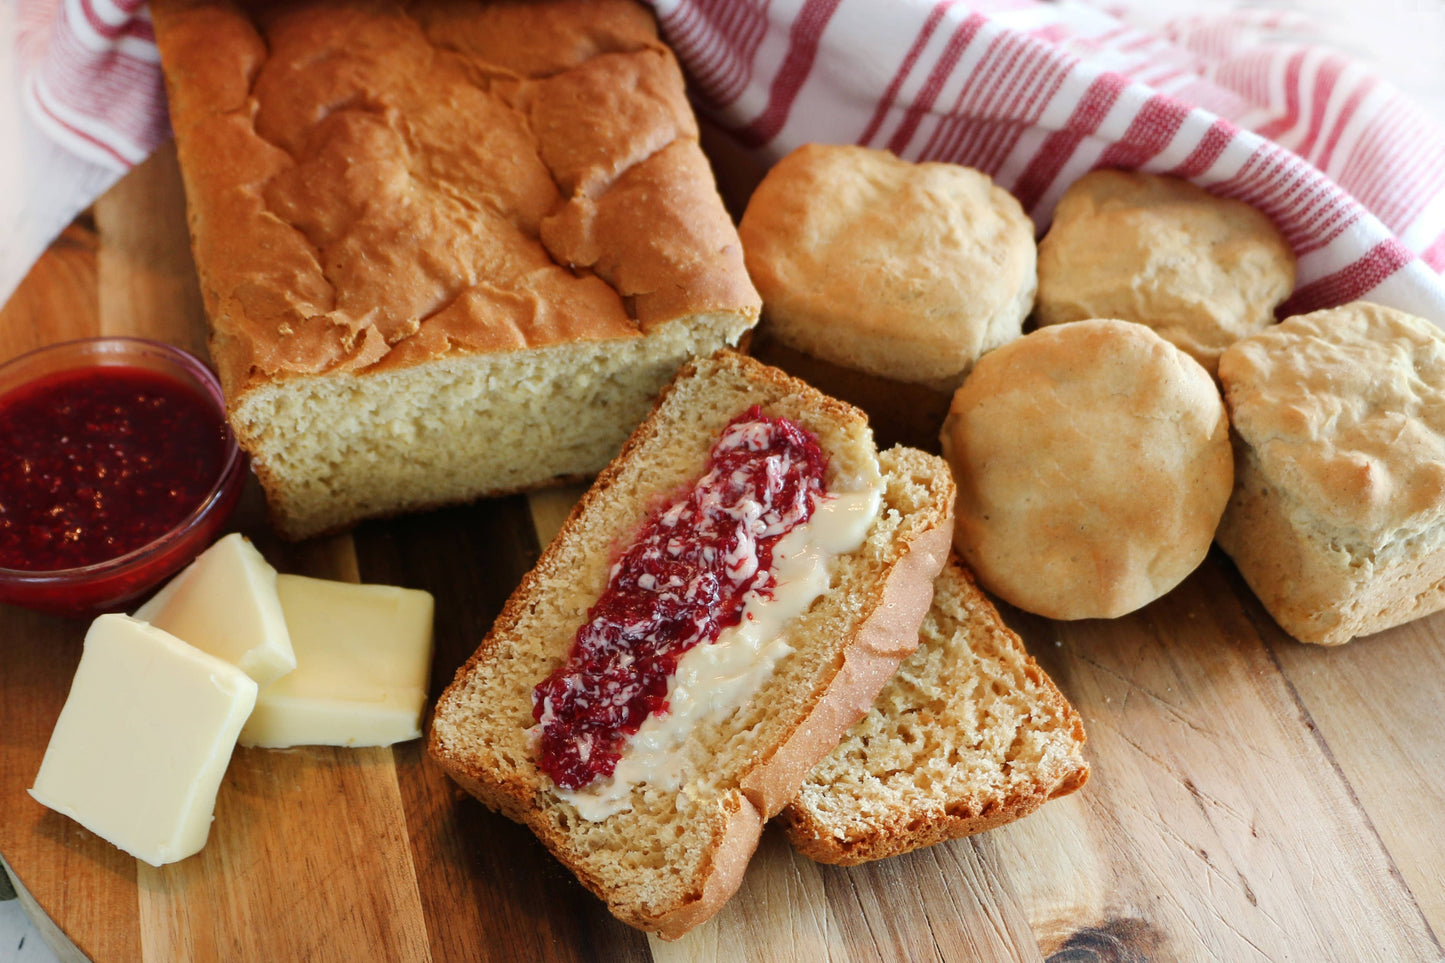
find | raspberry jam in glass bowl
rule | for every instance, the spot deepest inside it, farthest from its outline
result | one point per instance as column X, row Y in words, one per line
column 117, row 468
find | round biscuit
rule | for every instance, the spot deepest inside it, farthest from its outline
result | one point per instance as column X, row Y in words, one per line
column 1093, row 464
column 903, row 270
column 1203, row 271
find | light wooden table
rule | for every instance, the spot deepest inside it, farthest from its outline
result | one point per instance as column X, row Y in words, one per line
column 1252, row 798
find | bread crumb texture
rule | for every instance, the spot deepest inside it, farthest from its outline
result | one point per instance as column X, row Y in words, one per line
column 512, row 190
column 969, row 734
column 1338, row 514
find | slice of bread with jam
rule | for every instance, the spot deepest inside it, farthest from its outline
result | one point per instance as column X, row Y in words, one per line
column 665, row 842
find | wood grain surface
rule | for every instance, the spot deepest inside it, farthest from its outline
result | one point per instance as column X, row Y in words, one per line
column 1251, row 799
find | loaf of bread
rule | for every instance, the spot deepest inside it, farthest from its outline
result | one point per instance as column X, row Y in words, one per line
column 676, row 850
column 1337, row 520
column 447, row 249
column 969, row 734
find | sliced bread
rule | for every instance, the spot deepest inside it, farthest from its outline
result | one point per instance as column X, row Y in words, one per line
column 968, row 735
column 670, row 861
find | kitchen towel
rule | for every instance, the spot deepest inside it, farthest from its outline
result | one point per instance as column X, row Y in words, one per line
column 1033, row 93
column 81, row 102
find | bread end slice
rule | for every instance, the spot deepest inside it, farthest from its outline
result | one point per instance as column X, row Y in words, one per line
column 674, row 858
column 970, row 734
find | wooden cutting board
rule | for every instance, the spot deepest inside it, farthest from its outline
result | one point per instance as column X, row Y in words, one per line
column 1251, row 799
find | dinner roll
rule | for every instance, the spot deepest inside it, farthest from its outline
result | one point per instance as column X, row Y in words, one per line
column 908, row 271
column 1201, row 270
column 1338, row 517
column 1093, row 463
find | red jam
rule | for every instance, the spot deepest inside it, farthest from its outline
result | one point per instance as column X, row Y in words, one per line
column 682, row 582
column 98, row 462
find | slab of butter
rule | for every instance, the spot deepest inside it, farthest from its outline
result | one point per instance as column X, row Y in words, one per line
column 143, row 741
column 225, row 603
column 363, row 658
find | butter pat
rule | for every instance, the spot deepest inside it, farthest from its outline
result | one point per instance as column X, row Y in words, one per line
column 143, row 741
column 225, row 603
column 363, row 658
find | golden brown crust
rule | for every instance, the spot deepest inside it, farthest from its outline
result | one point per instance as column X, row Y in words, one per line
column 664, row 254
column 908, row 271
column 1201, row 270
column 1338, row 513
column 1093, row 464
column 537, row 40
column 729, row 863
column 370, row 185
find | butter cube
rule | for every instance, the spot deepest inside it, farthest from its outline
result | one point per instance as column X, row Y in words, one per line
column 144, row 739
column 225, row 603
column 363, row 657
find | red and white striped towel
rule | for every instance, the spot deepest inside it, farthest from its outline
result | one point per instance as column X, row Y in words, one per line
column 91, row 77
column 81, row 102
column 1034, row 94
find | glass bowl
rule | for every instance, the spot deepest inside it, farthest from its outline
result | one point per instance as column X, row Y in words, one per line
column 109, row 584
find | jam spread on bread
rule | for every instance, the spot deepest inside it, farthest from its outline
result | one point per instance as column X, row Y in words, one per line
column 681, row 583
column 98, row 462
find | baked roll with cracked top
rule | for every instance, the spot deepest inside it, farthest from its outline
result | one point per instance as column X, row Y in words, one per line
column 1337, row 520
column 883, row 280
column 1201, row 270
column 447, row 249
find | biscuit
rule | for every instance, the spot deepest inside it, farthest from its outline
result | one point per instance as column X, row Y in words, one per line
column 1338, row 516
column 1201, row 270
column 908, row 271
column 1093, row 463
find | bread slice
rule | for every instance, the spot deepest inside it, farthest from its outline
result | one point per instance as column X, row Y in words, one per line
column 968, row 735
column 671, row 861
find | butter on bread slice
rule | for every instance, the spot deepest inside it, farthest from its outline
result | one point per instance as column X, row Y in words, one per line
column 968, row 735
column 673, row 859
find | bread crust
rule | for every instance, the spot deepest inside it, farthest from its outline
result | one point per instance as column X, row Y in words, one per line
column 729, row 864
column 861, row 660
column 398, row 209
